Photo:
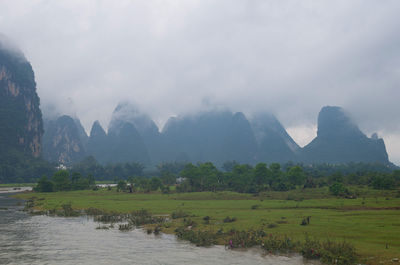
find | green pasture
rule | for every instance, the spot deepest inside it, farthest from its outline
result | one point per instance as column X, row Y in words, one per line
column 371, row 222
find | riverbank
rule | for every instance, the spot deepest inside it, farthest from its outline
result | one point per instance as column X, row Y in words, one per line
column 13, row 189
column 40, row 239
column 370, row 222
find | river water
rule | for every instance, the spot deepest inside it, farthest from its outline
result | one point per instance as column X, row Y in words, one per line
column 26, row 239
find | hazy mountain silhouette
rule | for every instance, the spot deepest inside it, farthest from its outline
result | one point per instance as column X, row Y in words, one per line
column 62, row 141
column 339, row 140
column 274, row 143
column 212, row 136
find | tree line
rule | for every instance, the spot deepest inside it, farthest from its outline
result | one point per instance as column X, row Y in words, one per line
column 243, row 178
column 63, row 180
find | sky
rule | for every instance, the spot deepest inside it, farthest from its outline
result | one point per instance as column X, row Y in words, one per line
column 177, row 57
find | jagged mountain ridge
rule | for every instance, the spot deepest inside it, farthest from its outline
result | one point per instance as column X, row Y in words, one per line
column 220, row 136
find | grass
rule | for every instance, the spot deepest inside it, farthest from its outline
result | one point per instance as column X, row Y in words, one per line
column 371, row 222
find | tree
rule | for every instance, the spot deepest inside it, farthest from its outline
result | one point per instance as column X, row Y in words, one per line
column 296, row 175
column 171, row 167
column 121, row 186
column 44, row 185
column 155, row 184
column 209, row 176
column 338, row 189
column 168, row 178
column 241, row 179
column 261, row 175
column 61, row 180
column 91, row 180
column 228, row 166
column 383, row 182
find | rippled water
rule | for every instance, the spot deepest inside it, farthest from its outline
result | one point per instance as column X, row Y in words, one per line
column 26, row 239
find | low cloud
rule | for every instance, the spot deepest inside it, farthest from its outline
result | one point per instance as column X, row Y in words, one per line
column 176, row 57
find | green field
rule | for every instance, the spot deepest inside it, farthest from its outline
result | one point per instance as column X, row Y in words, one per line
column 371, row 222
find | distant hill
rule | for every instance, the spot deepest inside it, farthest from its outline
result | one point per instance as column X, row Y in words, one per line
column 145, row 127
column 126, row 144
column 216, row 136
column 98, row 143
column 63, row 140
column 339, row 140
column 211, row 136
column 274, row 143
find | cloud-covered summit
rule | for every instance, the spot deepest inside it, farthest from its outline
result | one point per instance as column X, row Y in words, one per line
column 174, row 57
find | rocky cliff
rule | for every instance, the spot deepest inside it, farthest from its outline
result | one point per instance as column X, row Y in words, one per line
column 62, row 141
column 21, row 125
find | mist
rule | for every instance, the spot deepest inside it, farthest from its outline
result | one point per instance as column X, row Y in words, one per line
column 174, row 58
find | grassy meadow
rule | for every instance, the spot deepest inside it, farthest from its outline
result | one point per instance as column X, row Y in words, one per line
column 371, row 222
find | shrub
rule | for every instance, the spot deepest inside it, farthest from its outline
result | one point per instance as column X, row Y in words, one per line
column 44, row 185
column 67, row 210
column 189, row 222
column 179, row 214
column 341, row 253
column 311, row 249
column 338, row 253
column 275, row 243
column 229, row 220
column 338, row 189
column 200, row 238
column 206, row 219
column 121, row 186
column 245, row 239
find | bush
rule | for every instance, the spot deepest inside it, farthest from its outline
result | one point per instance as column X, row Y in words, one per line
column 383, row 182
column 206, row 219
column 330, row 252
column 200, row 238
column 44, row 185
column 121, row 186
column 279, row 244
column 341, row 253
column 229, row 220
column 338, row 189
column 179, row 214
column 67, row 210
column 189, row 222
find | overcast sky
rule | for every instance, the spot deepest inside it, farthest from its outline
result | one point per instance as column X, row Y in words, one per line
column 177, row 57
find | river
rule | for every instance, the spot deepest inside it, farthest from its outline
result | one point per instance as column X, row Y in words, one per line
column 26, row 239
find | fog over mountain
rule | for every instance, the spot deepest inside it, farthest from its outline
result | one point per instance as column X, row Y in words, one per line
column 178, row 58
